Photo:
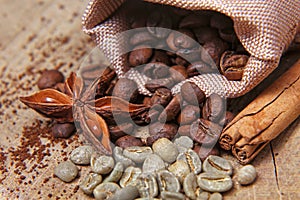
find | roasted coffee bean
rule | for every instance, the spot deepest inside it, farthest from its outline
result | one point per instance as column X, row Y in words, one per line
column 213, row 50
column 116, row 173
column 119, row 157
column 205, row 34
column 203, row 151
column 165, row 149
column 120, row 130
column 147, row 185
column 200, row 67
column 184, row 130
column 195, row 20
column 161, row 56
column 190, row 186
column 153, row 163
column 220, row 21
column 166, row 195
column 192, row 93
column 140, row 55
column 90, row 181
column 183, row 143
column 205, row 132
column 155, row 84
column 137, row 154
column 82, row 155
column 126, row 89
column 171, row 110
column 130, row 176
column 216, row 164
column 128, row 141
column 180, row 169
column 184, row 39
column 128, row 193
column 192, row 159
column 214, row 182
column 156, row 20
column 178, row 73
column 90, row 72
column 162, row 96
column 105, row 190
column 142, row 37
column 63, row 130
column 246, row 175
column 158, row 130
column 102, row 164
column 49, row 79
column 66, row 171
column 214, row 108
column 188, row 114
column 167, row 181
column 156, row 70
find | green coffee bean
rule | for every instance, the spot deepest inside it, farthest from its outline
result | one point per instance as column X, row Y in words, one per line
column 153, row 163
column 119, row 157
column 105, row 190
column 102, row 164
column 167, row 181
column 166, row 195
column 116, row 174
column 192, row 159
column 66, row 171
column 147, row 185
column 246, row 175
column 217, row 164
column 130, row 176
column 214, row 182
column 180, row 169
column 165, row 149
column 190, row 186
column 82, row 155
column 89, row 183
column 128, row 193
column 137, row 154
column 183, row 143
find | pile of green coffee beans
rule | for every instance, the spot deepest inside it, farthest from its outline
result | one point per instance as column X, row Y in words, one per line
column 167, row 170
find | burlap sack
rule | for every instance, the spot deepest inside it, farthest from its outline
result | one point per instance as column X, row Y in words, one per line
column 264, row 27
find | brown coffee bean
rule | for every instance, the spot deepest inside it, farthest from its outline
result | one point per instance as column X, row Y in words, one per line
column 120, row 130
column 184, row 39
column 220, row 21
column 161, row 56
column 205, row 132
column 188, row 114
column 203, row 152
column 158, row 130
column 200, row 67
column 195, row 20
column 142, row 37
column 228, row 35
column 64, row 130
column 180, row 61
column 184, row 130
column 156, row 70
column 156, row 20
column 178, row 73
column 171, row 110
column 155, row 84
column 192, row 93
column 140, row 55
column 126, row 89
column 162, row 96
column 128, row 141
column 205, row 34
column 50, row 78
column 213, row 50
column 214, row 108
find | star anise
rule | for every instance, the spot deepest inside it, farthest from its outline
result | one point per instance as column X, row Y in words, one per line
column 76, row 104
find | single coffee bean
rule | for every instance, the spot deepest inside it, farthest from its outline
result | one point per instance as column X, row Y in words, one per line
column 156, row 70
column 49, row 79
column 192, row 159
column 66, row 171
column 137, row 154
column 183, row 143
column 162, row 96
column 153, row 163
column 190, row 186
column 64, row 130
column 180, row 168
column 220, row 21
column 166, row 195
column 184, row 130
column 161, row 56
column 188, row 114
column 205, row 132
column 192, row 93
column 205, row 34
column 88, row 184
column 102, row 164
column 128, row 193
column 82, row 155
column 214, row 182
column 194, row 20
column 217, row 164
column 165, row 149
column 105, row 190
column 140, row 55
column 130, row 176
column 203, row 151
column 167, row 128
column 167, row 181
column 246, row 175
column 141, row 38
column 216, row 196
column 126, row 89
column 171, row 110
column 128, row 141
column 184, row 39
column 213, row 51
column 147, row 185
column 155, row 84
column 178, row 73
column 119, row 157
column 203, row 195
column 116, row 173
column 156, row 20
column 214, row 108
column 120, row 130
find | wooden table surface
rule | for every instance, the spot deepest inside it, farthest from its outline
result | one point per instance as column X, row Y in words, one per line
column 42, row 34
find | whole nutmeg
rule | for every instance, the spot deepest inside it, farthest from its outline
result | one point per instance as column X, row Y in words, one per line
column 126, row 89
column 140, row 55
column 64, row 130
column 49, row 79
column 192, row 93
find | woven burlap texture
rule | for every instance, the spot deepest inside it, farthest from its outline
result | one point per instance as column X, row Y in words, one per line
column 265, row 29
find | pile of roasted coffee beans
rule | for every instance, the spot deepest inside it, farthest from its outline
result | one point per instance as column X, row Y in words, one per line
column 166, row 170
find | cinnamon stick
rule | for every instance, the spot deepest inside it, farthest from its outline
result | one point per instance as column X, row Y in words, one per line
column 264, row 118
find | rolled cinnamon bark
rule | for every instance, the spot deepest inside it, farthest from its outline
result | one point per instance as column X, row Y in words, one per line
column 264, row 118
